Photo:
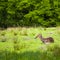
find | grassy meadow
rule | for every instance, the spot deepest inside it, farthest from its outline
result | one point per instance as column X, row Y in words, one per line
column 19, row 44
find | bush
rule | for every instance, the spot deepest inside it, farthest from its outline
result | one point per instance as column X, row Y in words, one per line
column 29, row 13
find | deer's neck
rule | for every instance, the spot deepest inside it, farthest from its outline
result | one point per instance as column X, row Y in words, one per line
column 42, row 39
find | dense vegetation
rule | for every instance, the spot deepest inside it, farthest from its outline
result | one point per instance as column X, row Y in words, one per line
column 19, row 44
column 29, row 13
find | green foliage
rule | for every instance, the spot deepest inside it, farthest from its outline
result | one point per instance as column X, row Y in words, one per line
column 20, row 46
column 29, row 13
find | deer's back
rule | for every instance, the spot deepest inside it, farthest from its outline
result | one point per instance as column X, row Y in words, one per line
column 49, row 39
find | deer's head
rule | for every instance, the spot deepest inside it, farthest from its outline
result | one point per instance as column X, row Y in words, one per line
column 38, row 36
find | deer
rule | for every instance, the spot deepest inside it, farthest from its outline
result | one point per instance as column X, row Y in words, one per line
column 45, row 40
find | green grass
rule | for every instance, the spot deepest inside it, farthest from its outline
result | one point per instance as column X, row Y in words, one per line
column 19, row 44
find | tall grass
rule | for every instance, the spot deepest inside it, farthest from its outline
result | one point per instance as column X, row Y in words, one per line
column 19, row 44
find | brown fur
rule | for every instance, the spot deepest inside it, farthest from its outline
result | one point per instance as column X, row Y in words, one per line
column 45, row 40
